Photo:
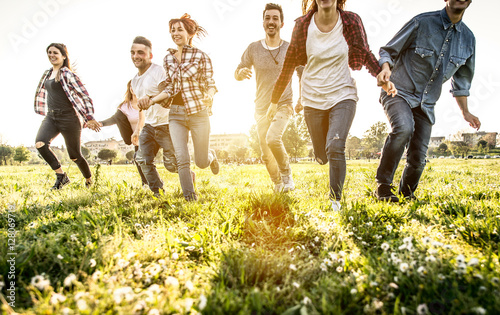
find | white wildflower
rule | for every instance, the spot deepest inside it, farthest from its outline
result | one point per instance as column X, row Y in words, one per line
column 316, row 239
column 92, row 262
column 96, row 275
column 189, row 286
column 117, row 256
column 426, row 240
column 60, row 257
column 69, row 280
column 373, row 284
column 175, row 256
column 81, row 305
column 172, row 281
column 123, row 294
column 131, row 255
column 306, row 301
column 66, row 311
column 203, row 302
column 393, row 285
column 153, row 269
column 421, row 270
column 478, row 310
column 296, row 284
column 354, row 291
column 40, row 282
column 377, row 304
column 495, row 280
column 323, row 267
column 154, row 311
column 340, row 269
column 351, row 218
column 154, row 288
column 293, row 267
column 32, row 225
column 460, row 259
column 139, row 307
column 436, row 244
column 389, row 227
column 73, row 237
column 473, row 262
column 188, row 304
column 57, row 298
column 422, row 309
column 404, row 267
column 122, row 263
column 369, row 224
column 402, row 247
column 190, row 248
column 441, row 277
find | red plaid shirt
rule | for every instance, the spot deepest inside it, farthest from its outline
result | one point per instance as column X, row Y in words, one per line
column 74, row 89
column 192, row 77
column 296, row 55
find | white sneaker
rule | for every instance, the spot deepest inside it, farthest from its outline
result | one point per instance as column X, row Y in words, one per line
column 288, row 182
column 278, row 187
column 336, row 205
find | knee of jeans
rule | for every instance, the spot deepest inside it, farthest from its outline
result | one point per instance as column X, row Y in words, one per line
column 417, row 161
column 404, row 130
column 76, row 159
column 39, row 144
column 273, row 141
column 335, row 149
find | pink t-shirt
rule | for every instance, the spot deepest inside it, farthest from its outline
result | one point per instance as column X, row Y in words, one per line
column 131, row 113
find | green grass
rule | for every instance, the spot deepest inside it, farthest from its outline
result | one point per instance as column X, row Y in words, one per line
column 115, row 249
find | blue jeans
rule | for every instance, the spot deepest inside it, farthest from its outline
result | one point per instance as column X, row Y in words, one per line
column 329, row 130
column 270, row 135
column 411, row 128
column 180, row 125
column 151, row 140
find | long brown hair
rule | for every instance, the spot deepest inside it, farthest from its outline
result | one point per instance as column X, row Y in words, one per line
column 308, row 5
column 64, row 51
column 129, row 95
column 190, row 25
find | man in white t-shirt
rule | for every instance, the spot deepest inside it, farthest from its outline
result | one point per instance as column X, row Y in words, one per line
column 153, row 121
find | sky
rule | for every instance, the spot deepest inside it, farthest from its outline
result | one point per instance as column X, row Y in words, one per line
column 99, row 33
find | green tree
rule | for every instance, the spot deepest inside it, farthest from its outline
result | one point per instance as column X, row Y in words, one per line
column 85, row 152
column 22, row 154
column 5, row 153
column 254, row 141
column 374, row 138
column 443, row 147
column 222, row 155
column 296, row 137
column 460, row 148
column 352, row 146
column 241, row 153
column 130, row 155
column 107, row 154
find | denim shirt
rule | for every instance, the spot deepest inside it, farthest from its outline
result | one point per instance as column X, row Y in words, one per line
column 425, row 53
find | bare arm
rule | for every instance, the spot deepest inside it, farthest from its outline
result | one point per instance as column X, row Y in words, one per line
column 138, row 128
column 471, row 119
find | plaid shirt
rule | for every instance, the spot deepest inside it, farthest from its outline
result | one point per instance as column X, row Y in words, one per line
column 354, row 34
column 192, row 77
column 75, row 91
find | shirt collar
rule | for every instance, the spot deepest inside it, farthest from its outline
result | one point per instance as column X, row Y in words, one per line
column 447, row 22
column 173, row 50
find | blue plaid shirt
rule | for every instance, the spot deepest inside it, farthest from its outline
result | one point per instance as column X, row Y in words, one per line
column 425, row 53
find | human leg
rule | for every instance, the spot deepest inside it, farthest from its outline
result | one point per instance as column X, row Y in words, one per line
column 340, row 121
column 146, row 155
column 402, row 123
column 46, row 133
column 416, row 154
column 317, row 122
column 267, row 156
column 164, row 140
column 143, row 178
column 274, row 139
column 179, row 133
column 71, row 130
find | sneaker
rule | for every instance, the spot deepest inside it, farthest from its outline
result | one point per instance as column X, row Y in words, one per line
column 336, row 205
column 384, row 193
column 278, row 187
column 214, row 166
column 288, row 183
column 88, row 184
column 61, row 181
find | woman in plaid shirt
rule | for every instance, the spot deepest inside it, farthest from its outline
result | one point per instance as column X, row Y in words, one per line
column 63, row 100
column 189, row 91
column 328, row 41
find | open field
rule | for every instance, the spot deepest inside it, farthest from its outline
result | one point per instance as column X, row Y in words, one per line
column 114, row 249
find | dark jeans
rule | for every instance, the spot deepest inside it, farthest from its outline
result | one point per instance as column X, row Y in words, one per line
column 151, row 140
column 67, row 123
column 329, row 130
column 139, row 169
column 411, row 128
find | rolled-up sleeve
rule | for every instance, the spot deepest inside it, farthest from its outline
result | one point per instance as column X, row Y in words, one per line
column 399, row 43
column 462, row 79
column 207, row 73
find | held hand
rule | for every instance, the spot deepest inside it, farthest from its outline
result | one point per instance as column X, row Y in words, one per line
column 271, row 111
column 390, row 88
column 208, row 100
column 245, row 73
column 135, row 138
column 144, row 103
column 94, row 125
column 472, row 120
column 298, row 107
column 384, row 76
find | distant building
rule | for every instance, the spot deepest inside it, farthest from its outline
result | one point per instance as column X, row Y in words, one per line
column 111, row 144
column 225, row 141
column 473, row 138
column 436, row 141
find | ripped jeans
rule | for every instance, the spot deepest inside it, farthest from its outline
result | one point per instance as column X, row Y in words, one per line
column 329, row 130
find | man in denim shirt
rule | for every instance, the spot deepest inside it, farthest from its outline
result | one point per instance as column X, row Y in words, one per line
column 430, row 49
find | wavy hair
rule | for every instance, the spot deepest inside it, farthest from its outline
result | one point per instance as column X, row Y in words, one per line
column 308, row 5
column 129, row 95
column 190, row 25
column 64, row 51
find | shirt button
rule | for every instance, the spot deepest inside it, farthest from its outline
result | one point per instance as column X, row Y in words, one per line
column 437, row 69
column 442, row 55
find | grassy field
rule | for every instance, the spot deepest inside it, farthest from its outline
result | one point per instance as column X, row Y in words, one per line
column 114, row 249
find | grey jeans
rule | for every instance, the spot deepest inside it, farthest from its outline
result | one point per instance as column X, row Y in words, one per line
column 180, row 125
column 270, row 138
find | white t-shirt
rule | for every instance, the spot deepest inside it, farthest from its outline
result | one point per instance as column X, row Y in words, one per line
column 147, row 84
column 327, row 80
